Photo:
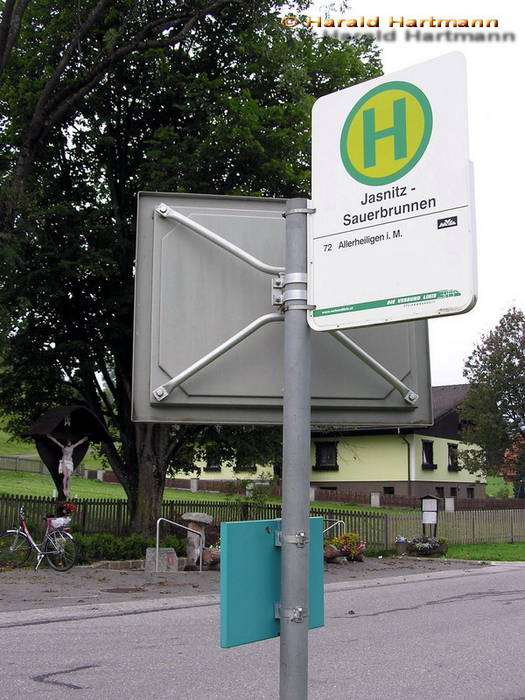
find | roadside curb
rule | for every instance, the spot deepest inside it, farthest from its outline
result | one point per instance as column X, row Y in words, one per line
column 40, row 616
column 470, row 571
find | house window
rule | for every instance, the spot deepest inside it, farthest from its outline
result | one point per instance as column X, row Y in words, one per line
column 470, row 492
column 244, row 461
column 326, row 456
column 440, row 492
column 388, row 490
column 242, row 466
column 213, row 463
column 453, row 465
column 428, row 455
column 454, row 491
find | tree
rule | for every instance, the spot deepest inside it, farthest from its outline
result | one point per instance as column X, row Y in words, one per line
column 80, row 46
column 493, row 412
column 225, row 110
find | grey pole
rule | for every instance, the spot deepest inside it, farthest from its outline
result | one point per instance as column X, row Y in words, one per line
column 296, row 463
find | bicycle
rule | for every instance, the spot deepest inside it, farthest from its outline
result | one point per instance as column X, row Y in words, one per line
column 58, row 546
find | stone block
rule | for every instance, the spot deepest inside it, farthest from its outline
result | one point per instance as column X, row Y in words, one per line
column 167, row 559
column 202, row 518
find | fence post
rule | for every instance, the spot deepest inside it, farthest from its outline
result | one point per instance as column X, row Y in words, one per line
column 386, row 530
column 84, row 516
column 119, row 518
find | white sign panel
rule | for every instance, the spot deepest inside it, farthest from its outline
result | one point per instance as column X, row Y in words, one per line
column 429, row 504
column 429, row 518
column 392, row 236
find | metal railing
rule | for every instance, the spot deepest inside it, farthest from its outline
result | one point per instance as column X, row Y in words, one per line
column 334, row 524
column 188, row 529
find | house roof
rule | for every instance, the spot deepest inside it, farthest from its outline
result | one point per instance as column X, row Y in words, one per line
column 447, row 398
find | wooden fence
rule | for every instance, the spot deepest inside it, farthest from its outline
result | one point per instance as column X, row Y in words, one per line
column 378, row 529
column 22, row 464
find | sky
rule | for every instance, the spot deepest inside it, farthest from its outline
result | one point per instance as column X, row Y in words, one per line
column 496, row 104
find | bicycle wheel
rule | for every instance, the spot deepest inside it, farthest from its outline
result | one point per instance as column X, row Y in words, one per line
column 15, row 548
column 60, row 550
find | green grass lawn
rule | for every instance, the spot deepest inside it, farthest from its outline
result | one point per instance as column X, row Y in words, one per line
column 13, row 446
column 497, row 486
column 501, row 551
column 25, row 484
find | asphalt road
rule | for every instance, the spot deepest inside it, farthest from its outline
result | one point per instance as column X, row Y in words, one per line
column 454, row 633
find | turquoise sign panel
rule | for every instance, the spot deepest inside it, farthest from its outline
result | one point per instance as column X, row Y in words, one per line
column 251, row 580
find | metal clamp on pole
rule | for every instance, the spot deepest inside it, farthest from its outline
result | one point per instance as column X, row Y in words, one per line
column 299, row 210
column 300, row 539
column 295, row 278
column 297, row 614
column 297, row 294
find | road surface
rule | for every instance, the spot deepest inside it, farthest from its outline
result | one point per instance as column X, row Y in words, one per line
column 448, row 634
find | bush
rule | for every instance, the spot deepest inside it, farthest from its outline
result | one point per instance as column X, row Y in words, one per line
column 110, row 547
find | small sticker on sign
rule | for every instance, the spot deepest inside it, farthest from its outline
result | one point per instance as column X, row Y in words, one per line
column 448, row 222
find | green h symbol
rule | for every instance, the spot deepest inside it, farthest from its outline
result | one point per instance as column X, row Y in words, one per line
column 398, row 130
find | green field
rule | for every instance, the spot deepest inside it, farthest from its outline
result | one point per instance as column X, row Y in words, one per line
column 25, row 484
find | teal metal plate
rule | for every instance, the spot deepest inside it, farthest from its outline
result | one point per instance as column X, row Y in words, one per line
column 251, row 580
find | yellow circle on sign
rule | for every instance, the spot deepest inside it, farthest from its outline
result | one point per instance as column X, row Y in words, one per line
column 386, row 133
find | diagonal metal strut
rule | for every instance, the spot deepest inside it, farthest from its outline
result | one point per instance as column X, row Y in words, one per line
column 164, row 389
column 406, row 392
column 169, row 213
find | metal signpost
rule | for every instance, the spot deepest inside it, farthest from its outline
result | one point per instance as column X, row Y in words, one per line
column 296, row 461
column 392, row 237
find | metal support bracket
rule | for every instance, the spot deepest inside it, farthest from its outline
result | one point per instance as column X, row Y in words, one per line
column 406, row 392
column 306, row 210
column 297, row 614
column 300, row 539
column 277, row 290
column 169, row 213
column 164, row 390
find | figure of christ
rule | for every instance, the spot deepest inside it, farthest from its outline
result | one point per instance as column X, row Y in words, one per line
column 66, row 466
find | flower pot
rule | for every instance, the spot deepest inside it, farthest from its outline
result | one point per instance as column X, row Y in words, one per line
column 428, row 551
column 401, row 547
